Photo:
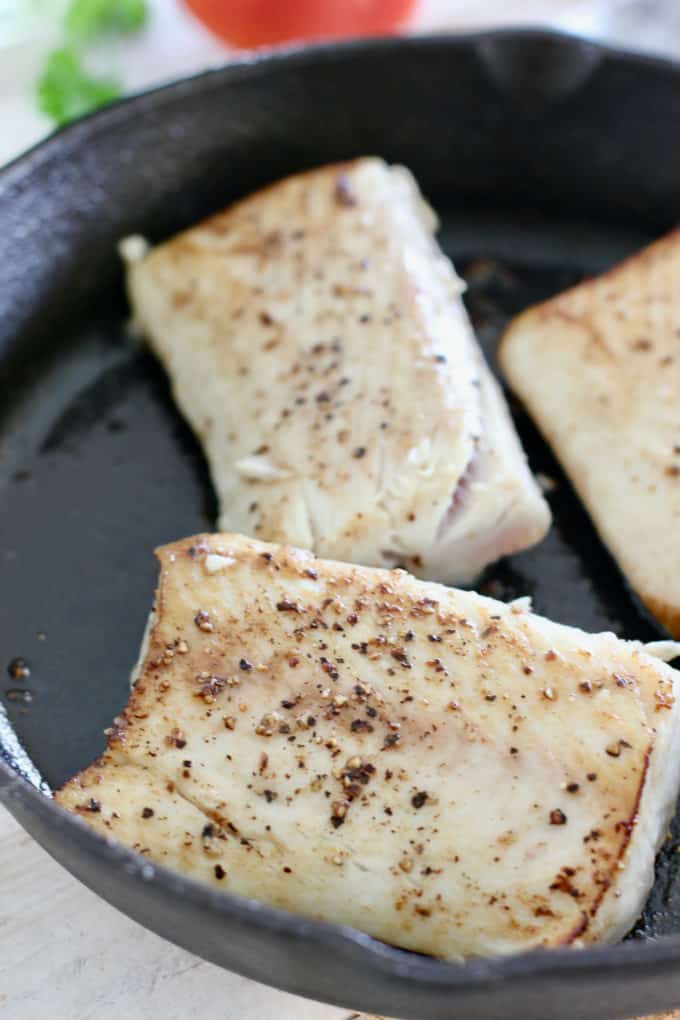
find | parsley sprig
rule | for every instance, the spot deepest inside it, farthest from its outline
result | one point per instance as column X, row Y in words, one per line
column 66, row 88
column 88, row 19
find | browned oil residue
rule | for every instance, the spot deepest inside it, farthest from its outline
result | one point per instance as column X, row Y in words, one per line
column 19, row 694
column 19, row 669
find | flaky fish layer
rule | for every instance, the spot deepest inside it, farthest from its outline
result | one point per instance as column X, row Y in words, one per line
column 317, row 343
column 446, row 772
column 599, row 370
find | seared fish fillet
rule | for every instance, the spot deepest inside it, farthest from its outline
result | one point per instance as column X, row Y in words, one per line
column 446, row 772
column 317, row 343
column 599, row 370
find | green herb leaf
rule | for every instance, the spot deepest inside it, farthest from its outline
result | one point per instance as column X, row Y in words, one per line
column 66, row 90
column 86, row 19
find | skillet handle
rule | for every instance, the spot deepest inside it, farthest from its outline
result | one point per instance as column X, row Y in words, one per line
column 536, row 69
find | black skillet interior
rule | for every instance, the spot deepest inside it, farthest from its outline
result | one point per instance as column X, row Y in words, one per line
column 520, row 142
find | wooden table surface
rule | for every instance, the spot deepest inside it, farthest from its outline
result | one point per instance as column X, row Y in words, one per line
column 65, row 954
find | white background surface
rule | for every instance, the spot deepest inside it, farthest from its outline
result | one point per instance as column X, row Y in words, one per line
column 64, row 953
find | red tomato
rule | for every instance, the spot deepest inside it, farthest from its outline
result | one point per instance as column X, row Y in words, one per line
column 250, row 23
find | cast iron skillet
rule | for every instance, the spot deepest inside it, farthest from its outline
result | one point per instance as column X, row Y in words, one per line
column 548, row 158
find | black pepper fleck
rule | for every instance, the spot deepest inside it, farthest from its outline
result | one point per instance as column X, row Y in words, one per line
column 343, row 192
column 203, row 621
column 286, row 606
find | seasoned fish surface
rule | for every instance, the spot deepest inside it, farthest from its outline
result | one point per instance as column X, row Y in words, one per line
column 317, row 343
column 451, row 774
column 599, row 370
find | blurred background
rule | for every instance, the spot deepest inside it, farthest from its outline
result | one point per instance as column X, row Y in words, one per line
column 60, row 58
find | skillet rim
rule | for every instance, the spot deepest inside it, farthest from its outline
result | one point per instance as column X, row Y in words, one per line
column 22, row 799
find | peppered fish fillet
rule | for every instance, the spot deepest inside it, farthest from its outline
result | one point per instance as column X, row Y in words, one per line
column 599, row 370
column 449, row 773
column 317, row 343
